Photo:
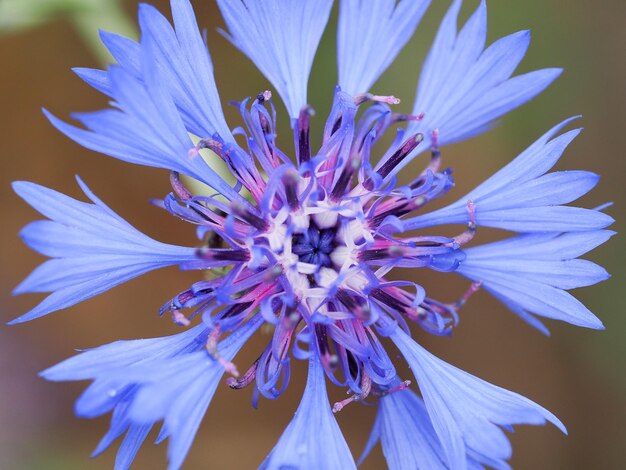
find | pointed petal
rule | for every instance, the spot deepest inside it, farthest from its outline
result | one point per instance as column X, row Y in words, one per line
column 540, row 299
column 281, row 38
column 542, row 246
column 183, row 59
column 186, row 66
column 92, row 362
column 370, row 36
column 125, row 51
column 129, row 447
column 464, row 88
column 497, row 102
column 529, row 273
column 409, row 440
column 522, row 198
column 98, row 79
column 566, row 274
column 407, row 436
column 143, row 381
column 313, row 439
column 466, row 411
column 528, row 317
column 158, row 95
column 94, row 249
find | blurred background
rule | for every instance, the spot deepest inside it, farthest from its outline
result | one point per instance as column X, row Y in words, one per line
column 580, row 375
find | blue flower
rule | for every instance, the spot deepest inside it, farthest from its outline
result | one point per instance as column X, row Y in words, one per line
column 305, row 239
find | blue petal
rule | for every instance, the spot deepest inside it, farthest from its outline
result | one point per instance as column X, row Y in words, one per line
column 522, row 198
column 101, row 397
column 135, row 436
column 125, row 51
column 565, row 274
column 93, row 249
column 313, row 439
column 450, row 59
column 111, row 366
column 552, row 189
column 93, row 362
column 465, row 411
column 529, row 273
column 143, row 381
column 533, row 162
column 545, row 219
column 98, row 79
column 183, row 60
column 543, row 246
column 407, row 436
column 409, row 440
column 129, row 447
column 145, row 127
column 528, row 317
column 536, row 297
column 370, row 36
column 496, row 103
column 190, row 390
column 281, row 38
column 186, row 66
column 464, row 88
column 178, row 391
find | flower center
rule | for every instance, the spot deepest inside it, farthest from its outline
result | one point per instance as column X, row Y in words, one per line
column 311, row 247
column 314, row 246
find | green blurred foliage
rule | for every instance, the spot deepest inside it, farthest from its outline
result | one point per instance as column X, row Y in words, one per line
column 87, row 17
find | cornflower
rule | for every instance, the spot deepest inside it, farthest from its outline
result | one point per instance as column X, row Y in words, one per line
column 305, row 240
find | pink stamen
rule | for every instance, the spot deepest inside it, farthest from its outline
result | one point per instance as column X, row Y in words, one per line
column 248, row 377
column 475, row 287
column 193, row 153
column 211, row 347
column 211, row 144
column 434, row 137
column 400, row 117
column 468, row 235
column 337, row 407
column 398, row 388
column 362, row 98
column 179, row 188
column 366, row 385
column 179, row 318
column 229, row 366
column 415, row 117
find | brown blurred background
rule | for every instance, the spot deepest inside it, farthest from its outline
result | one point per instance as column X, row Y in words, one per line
column 579, row 375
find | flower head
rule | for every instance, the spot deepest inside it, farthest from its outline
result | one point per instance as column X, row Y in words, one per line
column 306, row 237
